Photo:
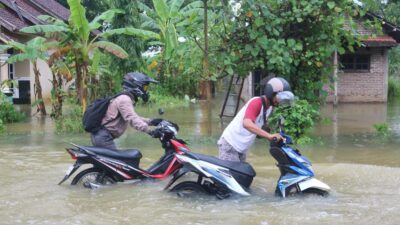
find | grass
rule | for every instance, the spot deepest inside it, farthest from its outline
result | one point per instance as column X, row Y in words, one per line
column 167, row 101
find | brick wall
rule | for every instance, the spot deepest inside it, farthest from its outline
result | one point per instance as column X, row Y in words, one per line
column 364, row 87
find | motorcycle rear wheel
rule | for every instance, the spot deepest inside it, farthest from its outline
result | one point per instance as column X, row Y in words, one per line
column 92, row 176
column 188, row 189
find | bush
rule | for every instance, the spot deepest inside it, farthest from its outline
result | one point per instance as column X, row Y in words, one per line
column 71, row 122
column 166, row 100
column 8, row 113
column 2, row 127
column 298, row 119
column 393, row 88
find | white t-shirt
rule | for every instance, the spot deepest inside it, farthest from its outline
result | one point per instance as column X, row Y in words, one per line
column 239, row 137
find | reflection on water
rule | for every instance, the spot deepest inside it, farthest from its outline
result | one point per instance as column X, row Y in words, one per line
column 361, row 167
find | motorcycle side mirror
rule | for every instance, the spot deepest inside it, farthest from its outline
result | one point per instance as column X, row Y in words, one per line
column 160, row 111
column 281, row 120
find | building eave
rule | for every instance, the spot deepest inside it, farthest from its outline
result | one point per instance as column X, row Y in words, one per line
column 390, row 29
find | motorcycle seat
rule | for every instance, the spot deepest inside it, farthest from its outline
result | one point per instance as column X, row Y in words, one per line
column 121, row 154
column 241, row 167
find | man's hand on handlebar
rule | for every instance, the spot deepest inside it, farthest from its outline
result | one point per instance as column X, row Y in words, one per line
column 155, row 133
column 276, row 137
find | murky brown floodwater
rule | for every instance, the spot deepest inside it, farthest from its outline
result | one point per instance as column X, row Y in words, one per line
column 362, row 168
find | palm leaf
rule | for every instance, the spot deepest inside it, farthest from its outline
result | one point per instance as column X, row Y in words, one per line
column 162, row 9
column 4, row 47
column 148, row 22
column 52, row 20
column 143, row 7
column 155, row 43
column 17, row 45
column 171, row 41
column 145, row 34
column 193, row 5
column 37, row 42
column 78, row 18
column 175, row 6
column 35, row 29
column 21, row 57
column 106, row 16
column 111, row 48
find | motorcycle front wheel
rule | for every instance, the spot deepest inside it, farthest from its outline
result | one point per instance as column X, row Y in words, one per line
column 188, row 189
column 91, row 178
column 315, row 192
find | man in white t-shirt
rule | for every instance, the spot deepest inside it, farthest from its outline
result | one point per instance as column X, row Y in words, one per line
column 239, row 135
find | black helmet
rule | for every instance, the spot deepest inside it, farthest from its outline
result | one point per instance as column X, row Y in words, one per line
column 137, row 84
column 277, row 85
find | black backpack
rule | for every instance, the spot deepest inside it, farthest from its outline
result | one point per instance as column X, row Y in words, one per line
column 95, row 113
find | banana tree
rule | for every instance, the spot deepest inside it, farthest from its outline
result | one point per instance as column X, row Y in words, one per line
column 164, row 19
column 33, row 50
column 83, row 37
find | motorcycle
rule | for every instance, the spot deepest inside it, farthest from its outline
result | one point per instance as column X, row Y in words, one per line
column 297, row 174
column 224, row 178
column 111, row 166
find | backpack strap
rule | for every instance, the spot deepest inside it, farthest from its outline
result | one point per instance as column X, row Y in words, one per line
column 112, row 98
column 265, row 108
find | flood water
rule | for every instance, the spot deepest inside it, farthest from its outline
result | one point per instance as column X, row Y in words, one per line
column 361, row 167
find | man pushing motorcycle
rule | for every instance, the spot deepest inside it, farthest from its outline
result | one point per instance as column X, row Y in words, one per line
column 240, row 134
column 121, row 112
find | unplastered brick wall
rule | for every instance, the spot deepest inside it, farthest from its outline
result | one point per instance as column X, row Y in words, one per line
column 364, row 87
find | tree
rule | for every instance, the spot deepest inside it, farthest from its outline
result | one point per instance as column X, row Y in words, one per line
column 294, row 39
column 133, row 45
column 82, row 37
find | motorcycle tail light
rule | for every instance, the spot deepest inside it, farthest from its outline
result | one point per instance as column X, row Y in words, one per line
column 73, row 155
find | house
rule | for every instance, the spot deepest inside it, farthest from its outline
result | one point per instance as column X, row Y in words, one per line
column 361, row 76
column 14, row 15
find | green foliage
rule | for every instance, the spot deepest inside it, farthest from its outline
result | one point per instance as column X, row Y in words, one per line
column 299, row 119
column 70, row 122
column 393, row 88
column 133, row 45
column 382, row 129
column 394, row 62
column 165, row 100
column 2, row 126
column 294, row 39
column 8, row 113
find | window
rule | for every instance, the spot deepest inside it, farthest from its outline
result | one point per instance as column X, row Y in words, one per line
column 355, row 63
column 11, row 71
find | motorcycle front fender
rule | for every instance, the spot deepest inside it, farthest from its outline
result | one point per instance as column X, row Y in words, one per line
column 313, row 183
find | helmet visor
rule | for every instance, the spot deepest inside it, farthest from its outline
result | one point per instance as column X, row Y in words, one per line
column 285, row 98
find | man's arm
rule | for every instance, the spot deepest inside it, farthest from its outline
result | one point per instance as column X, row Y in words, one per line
column 251, row 114
column 251, row 126
column 128, row 113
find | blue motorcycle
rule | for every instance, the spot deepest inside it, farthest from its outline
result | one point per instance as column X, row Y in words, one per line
column 297, row 175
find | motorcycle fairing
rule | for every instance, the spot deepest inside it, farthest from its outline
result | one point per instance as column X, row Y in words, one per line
column 301, row 164
column 220, row 174
column 288, row 180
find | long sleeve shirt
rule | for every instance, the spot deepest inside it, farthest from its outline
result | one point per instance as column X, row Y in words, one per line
column 120, row 113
